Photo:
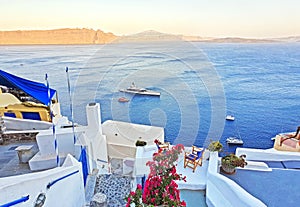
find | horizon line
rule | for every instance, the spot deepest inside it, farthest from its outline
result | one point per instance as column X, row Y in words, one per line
column 148, row 30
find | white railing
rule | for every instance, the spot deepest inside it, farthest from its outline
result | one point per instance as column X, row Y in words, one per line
column 268, row 155
column 223, row 192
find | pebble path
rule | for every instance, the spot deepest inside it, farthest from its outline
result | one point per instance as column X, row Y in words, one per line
column 115, row 187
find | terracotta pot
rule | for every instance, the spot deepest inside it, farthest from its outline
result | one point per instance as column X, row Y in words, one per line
column 227, row 170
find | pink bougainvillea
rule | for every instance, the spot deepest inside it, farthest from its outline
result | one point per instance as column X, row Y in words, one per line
column 160, row 187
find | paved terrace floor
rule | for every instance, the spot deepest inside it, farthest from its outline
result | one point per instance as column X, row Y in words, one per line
column 9, row 161
column 194, row 180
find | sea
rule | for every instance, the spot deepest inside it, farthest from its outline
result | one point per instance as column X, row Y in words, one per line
column 200, row 83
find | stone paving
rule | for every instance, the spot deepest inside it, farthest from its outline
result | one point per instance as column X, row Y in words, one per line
column 9, row 161
column 115, row 187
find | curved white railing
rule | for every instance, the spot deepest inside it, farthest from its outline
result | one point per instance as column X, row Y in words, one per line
column 223, row 192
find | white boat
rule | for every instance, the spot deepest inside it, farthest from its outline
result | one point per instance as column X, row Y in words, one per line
column 230, row 118
column 142, row 91
column 25, row 124
column 234, row 140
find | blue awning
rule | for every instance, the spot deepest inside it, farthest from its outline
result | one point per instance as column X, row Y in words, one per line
column 37, row 90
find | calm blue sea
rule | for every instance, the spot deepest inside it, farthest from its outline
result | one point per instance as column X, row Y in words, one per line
column 200, row 83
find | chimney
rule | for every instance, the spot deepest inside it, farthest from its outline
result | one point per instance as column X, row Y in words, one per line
column 93, row 116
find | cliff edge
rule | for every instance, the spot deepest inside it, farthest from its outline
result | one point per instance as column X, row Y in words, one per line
column 56, row 36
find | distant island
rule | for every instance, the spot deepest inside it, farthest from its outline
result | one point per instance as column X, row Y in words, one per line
column 90, row 36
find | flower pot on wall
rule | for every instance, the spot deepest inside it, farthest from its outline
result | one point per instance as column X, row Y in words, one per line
column 231, row 161
column 228, row 170
column 140, row 143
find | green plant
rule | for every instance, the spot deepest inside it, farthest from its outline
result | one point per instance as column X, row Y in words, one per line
column 233, row 161
column 140, row 143
column 215, row 146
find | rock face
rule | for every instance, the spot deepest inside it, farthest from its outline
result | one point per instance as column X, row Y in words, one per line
column 17, row 137
column 57, row 36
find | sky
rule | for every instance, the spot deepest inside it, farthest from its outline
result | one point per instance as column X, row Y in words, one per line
column 206, row 18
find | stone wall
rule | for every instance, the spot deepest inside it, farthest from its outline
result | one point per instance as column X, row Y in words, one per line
column 17, row 137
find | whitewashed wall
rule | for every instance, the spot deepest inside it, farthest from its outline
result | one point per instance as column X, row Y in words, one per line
column 122, row 136
column 65, row 141
column 143, row 155
column 68, row 192
column 268, row 154
column 223, row 192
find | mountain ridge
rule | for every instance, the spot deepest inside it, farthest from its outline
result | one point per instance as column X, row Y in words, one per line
column 91, row 36
column 56, row 36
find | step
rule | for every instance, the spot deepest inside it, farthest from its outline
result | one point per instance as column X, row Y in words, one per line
column 43, row 162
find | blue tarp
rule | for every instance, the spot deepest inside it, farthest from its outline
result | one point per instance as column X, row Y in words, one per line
column 37, row 90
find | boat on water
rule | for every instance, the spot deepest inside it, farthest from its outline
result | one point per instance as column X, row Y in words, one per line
column 234, row 140
column 133, row 89
column 27, row 105
column 123, row 99
column 230, row 118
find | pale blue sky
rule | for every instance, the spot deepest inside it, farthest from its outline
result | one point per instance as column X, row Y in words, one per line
column 217, row 18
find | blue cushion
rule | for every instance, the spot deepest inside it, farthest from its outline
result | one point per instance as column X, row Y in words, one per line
column 199, row 154
column 191, row 157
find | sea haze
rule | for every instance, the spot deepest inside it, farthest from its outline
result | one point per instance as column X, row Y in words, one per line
column 199, row 83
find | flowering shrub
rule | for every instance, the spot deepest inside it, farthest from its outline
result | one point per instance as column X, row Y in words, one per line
column 135, row 197
column 160, row 187
column 157, row 142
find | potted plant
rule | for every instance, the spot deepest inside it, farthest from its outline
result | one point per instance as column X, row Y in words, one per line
column 215, row 146
column 140, row 143
column 231, row 161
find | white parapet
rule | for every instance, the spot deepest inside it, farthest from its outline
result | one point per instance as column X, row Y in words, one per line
column 122, row 136
column 267, row 154
column 61, row 186
column 65, row 141
column 46, row 157
column 143, row 155
column 89, row 136
column 223, row 192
